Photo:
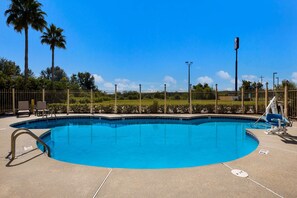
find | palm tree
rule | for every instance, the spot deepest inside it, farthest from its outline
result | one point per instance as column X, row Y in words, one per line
column 54, row 38
column 22, row 14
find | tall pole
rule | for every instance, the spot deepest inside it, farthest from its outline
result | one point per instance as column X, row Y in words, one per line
column 236, row 47
column 189, row 63
column 165, row 98
column 216, row 99
column 190, row 106
column 236, row 70
column 286, row 99
column 261, row 79
column 115, row 98
column 140, row 99
column 68, row 107
column 91, row 108
column 13, row 100
column 273, row 83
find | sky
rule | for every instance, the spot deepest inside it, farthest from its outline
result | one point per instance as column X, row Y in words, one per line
column 147, row 42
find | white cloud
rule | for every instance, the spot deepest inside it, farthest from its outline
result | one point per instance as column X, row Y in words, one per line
column 251, row 78
column 232, row 80
column 229, row 89
column 108, row 85
column 204, row 79
column 224, row 75
column 122, row 80
column 98, row 79
column 169, row 80
column 238, row 82
column 125, row 84
column 294, row 77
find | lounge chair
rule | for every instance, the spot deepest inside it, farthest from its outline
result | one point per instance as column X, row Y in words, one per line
column 41, row 108
column 23, row 108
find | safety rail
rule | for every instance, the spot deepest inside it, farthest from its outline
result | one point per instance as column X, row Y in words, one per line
column 21, row 131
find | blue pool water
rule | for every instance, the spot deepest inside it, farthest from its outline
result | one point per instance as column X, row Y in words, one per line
column 147, row 143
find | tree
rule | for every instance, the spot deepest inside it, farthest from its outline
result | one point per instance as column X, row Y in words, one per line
column 23, row 14
column 86, row 80
column 291, row 85
column 203, row 91
column 251, row 86
column 9, row 68
column 54, row 38
column 8, row 72
column 247, row 85
column 59, row 73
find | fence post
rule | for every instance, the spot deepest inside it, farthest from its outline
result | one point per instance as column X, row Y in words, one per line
column 165, row 104
column 115, row 98
column 68, row 100
column 256, row 100
column 91, row 109
column 140, row 98
column 13, row 100
column 216, row 99
column 43, row 94
column 242, row 100
column 266, row 95
column 286, row 100
column 190, row 107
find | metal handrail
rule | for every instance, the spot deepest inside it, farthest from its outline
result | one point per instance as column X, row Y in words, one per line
column 14, row 136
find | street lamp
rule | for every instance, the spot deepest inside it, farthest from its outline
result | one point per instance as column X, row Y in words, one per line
column 273, row 84
column 189, row 63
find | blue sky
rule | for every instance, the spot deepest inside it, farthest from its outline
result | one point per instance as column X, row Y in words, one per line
column 132, row 42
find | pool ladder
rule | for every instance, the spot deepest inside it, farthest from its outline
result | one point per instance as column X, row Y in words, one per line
column 19, row 132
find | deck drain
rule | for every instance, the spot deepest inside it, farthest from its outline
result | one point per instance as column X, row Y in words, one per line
column 239, row 173
column 263, row 152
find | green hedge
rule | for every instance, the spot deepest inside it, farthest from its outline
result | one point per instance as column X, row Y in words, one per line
column 155, row 108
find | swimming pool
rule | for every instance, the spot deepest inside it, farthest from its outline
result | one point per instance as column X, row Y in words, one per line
column 147, row 143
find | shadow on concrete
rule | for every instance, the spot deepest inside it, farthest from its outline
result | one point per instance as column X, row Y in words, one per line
column 288, row 139
column 9, row 164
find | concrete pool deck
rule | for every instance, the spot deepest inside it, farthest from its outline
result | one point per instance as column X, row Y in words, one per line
column 33, row 174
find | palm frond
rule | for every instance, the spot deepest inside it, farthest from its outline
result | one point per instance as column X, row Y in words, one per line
column 54, row 37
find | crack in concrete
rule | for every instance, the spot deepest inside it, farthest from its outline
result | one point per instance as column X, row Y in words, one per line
column 110, row 170
column 254, row 181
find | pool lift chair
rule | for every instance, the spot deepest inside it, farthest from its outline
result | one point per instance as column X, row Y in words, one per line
column 274, row 116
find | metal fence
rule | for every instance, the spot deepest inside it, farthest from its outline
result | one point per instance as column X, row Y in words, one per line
column 292, row 103
column 89, row 101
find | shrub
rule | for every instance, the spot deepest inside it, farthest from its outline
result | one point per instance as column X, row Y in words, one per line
column 80, row 108
column 57, row 108
column 154, row 107
column 72, row 100
column 98, row 100
column 84, row 100
column 107, row 109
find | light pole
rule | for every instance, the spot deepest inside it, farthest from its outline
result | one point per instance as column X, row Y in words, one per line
column 261, row 79
column 236, row 47
column 273, row 84
column 189, row 63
